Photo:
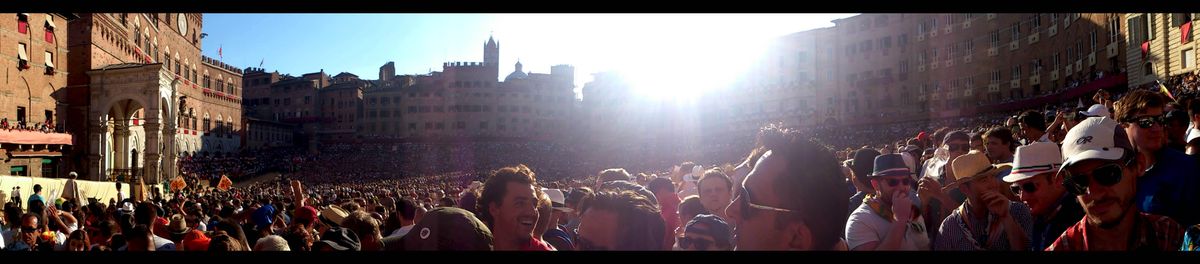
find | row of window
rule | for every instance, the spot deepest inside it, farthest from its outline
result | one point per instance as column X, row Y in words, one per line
column 458, row 125
column 536, row 98
column 23, row 58
column 187, row 71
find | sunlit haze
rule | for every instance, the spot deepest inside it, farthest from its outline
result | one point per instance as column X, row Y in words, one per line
column 663, row 55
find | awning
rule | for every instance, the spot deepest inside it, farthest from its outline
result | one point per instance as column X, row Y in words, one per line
column 34, row 137
column 49, row 59
column 50, row 21
column 21, row 53
column 17, row 168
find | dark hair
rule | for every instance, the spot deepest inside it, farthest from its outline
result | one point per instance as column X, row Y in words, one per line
column 37, row 188
column 448, row 202
column 406, row 207
column 863, row 164
column 579, row 197
column 1033, row 119
column 639, row 224
column 716, row 174
column 145, row 213
column 691, row 206
column 81, row 235
column 661, row 185
column 1004, row 134
column 811, row 183
column 139, row 233
column 497, row 185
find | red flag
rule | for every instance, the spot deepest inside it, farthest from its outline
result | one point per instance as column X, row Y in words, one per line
column 222, row 56
column 1185, row 32
column 1145, row 49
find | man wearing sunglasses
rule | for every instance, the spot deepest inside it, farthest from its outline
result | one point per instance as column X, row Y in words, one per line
column 1101, row 171
column 27, row 235
column 889, row 219
column 1169, row 186
column 792, row 199
column 1034, row 181
column 705, row 232
column 987, row 220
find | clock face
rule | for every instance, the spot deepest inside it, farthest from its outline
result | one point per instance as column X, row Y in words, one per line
column 182, row 24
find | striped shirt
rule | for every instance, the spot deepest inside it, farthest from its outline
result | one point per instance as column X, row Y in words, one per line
column 1150, row 232
column 954, row 234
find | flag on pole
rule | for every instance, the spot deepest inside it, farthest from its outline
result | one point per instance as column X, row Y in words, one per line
column 1164, row 89
column 260, row 62
column 219, row 54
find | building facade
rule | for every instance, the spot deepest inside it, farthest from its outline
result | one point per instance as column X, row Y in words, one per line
column 878, row 69
column 32, row 97
column 146, row 96
column 465, row 99
column 1160, row 45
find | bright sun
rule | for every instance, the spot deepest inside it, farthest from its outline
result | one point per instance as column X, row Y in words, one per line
column 663, row 56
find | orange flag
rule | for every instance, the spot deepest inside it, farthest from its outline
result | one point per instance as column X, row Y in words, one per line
column 225, row 183
column 178, row 184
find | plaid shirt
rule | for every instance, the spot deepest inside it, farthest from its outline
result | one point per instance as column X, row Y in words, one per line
column 1150, row 232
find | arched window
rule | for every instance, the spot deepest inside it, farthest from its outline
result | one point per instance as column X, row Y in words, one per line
column 207, row 124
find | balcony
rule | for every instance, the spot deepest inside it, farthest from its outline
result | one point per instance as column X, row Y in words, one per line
column 19, row 136
column 124, row 175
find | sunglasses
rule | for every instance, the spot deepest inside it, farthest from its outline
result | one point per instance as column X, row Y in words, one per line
column 894, row 182
column 26, row 229
column 1028, row 187
column 1106, row 175
column 959, row 147
column 688, row 242
column 1150, row 121
column 746, row 205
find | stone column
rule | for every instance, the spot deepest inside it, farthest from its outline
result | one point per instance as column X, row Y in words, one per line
column 97, row 150
column 151, row 173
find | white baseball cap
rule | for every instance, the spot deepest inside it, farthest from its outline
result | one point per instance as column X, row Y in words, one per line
column 1097, row 110
column 1034, row 159
column 1095, row 138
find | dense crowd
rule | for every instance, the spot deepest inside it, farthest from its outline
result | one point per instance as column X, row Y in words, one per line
column 1118, row 174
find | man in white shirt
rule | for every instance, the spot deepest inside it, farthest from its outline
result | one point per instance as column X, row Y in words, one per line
column 1033, row 127
column 406, row 211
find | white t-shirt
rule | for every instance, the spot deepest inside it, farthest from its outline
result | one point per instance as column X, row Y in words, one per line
column 1192, row 134
column 864, row 226
column 403, row 230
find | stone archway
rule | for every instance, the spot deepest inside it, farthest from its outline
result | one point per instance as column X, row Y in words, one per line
column 120, row 93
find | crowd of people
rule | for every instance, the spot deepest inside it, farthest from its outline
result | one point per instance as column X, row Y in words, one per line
column 1117, row 175
column 22, row 125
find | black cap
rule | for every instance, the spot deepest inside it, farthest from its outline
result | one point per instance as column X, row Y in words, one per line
column 449, row 228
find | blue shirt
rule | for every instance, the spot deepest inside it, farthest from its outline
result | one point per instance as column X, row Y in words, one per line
column 35, row 197
column 1171, row 188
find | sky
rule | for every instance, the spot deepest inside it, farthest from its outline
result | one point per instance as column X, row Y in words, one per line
column 661, row 54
